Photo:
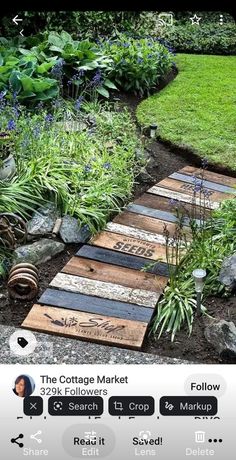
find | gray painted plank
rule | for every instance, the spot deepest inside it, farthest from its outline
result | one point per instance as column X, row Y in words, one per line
column 206, row 183
column 119, row 258
column 105, row 290
column 91, row 304
column 157, row 214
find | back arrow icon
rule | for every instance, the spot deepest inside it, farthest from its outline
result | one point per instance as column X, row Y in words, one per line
column 22, row 33
column 16, row 19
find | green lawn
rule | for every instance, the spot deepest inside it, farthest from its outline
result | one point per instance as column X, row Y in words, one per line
column 198, row 109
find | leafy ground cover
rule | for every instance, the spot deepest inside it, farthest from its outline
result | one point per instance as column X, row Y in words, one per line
column 82, row 159
column 197, row 109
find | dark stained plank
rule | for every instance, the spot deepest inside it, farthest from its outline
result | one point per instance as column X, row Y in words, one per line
column 96, row 305
column 147, row 223
column 157, row 214
column 130, row 245
column 184, row 187
column 209, row 175
column 114, row 274
column 86, row 326
column 125, row 260
column 150, row 200
column 74, row 283
column 205, row 183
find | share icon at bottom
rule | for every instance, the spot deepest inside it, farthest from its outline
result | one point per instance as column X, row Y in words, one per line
column 35, row 436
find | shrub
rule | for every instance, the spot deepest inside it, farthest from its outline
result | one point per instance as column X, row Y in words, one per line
column 210, row 38
column 138, row 63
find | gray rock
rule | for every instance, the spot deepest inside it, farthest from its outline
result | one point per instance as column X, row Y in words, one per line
column 227, row 274
column 70, row 231
column 43, row 220
column 222, row 336
column 144, row 176
column 39, row 252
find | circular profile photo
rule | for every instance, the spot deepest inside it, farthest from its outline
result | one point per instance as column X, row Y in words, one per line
column 23, row 386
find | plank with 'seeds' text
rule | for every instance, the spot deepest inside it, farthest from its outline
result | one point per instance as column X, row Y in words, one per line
column 108, row 291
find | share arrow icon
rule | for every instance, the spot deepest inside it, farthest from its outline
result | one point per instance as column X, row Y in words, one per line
column 16, row 19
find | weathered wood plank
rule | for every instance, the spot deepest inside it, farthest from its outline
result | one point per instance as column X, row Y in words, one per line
column 114, row 274
column 147, row 223
column 96, row 305
column 86, row 326
column 205, row 183
column 163, row 203
column 157, row 214
column 105, row 290
column 135, row 233
column 182, row 197
column 209, row 175
column 125, row 260
column 179, row 186
column 130, row 245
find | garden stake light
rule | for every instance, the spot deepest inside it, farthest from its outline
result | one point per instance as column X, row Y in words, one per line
column 199, row 276
column 153, row 129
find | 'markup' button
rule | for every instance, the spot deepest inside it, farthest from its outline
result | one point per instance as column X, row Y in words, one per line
column 131, row 405
column 188, row 405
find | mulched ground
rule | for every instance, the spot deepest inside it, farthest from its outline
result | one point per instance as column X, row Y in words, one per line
column 166, row 161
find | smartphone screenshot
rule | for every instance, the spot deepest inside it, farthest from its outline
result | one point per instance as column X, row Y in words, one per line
column 117, row 233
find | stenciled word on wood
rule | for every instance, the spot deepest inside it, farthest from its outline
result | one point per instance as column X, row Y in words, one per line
column 86, row 326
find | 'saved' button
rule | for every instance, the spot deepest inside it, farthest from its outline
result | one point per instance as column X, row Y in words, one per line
column 131, row 405
column 188, row 405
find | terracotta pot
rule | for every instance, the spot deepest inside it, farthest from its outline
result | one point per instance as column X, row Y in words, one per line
column 7, row 168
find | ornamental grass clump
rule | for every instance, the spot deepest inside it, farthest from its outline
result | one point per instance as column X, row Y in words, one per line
column 212, row 239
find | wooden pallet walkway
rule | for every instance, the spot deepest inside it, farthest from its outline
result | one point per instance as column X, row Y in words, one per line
column 101, row 294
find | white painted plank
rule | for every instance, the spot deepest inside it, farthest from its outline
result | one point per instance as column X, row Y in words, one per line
column 182, row 197
column 135, row 232
column 105, row 290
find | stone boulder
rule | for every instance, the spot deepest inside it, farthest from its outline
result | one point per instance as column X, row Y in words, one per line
column 221, row 335
column 43, row 220
column 39, row 252
column 71, row 232
column 227, row 274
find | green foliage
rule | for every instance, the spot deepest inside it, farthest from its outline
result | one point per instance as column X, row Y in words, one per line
column 196, row 110
column 88, row 175
column 209, row 38
column 212, row 241
column 138, row 63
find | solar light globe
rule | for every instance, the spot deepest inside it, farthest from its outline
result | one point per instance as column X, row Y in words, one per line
column 199, row 276
column 153, row 129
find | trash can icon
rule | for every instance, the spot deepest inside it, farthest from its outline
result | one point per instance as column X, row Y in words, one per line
column 200, row 436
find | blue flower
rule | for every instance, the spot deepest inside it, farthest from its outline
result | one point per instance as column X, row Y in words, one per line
column 125, row 45
column 11, row 125
column 36, row 131
column 149, row 56
column 107, row 165
column 204, row 163
column 96, row 80
column 87, row 168
column 49, row 118
column 139, row 60
column 78, row 103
